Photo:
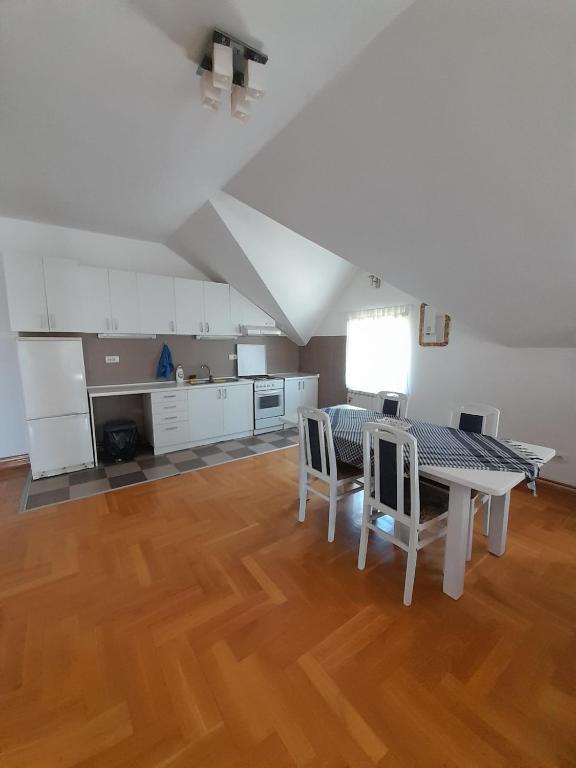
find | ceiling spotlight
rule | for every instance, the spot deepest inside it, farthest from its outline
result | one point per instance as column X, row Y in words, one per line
column 240, row 104
column 222, row 63
column 255, row 79
column 211, row 97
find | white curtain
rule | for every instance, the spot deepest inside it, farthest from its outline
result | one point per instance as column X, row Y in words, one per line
column 378, row 349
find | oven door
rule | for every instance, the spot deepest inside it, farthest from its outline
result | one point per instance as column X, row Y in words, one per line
column 268, row 403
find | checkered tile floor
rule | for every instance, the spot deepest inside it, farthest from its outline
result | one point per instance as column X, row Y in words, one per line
column 104, row 477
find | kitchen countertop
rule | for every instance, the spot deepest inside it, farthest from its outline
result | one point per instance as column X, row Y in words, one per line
column 300, row 375
column 147, row 387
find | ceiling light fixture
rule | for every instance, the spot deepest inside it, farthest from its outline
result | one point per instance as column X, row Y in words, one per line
column 211, row 96
column 255, row 79
column 240, row 105
column 231, row 66
column 222, row 63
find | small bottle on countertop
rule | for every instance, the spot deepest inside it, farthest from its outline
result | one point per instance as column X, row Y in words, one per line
column 179, row 375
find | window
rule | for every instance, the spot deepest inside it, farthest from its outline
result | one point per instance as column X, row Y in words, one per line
column 378, row 350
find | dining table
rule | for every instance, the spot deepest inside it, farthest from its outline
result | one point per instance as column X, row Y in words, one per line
column 464, row 462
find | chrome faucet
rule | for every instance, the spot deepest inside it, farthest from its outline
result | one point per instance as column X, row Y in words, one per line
column 210, row 377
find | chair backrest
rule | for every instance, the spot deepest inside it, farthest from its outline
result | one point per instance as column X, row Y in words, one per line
column 385, row 451
column 477, row 417
column 393, row 404
column 316, row 444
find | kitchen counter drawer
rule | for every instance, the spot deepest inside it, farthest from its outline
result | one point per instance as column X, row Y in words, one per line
column 179, row 397
column 171, row 434
column 170, row 407
column 169, row 418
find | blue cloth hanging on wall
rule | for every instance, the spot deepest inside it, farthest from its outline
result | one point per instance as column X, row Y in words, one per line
column 165, row 364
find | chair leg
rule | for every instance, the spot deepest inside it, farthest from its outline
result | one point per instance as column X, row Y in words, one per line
column 332, row 512
column 303, row 497
column 364, row 534
column 410, row 571
column 470, row 530
column 486, row 516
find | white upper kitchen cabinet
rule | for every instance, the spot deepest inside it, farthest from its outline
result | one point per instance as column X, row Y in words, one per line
column 238, row 406
column 25, row 292
column 157, row 308
column 245, row 312
column 95, row 299
column 124, row 304
column 189, row 297
column 62, row 281
column 253, row 315
column 217, row 316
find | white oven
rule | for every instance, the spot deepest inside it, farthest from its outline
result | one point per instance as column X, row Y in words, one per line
column 268, row 403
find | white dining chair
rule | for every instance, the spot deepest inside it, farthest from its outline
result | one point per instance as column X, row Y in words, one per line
column 420, row 508
column 318, row 464
column 393, row 404
column 483, row 420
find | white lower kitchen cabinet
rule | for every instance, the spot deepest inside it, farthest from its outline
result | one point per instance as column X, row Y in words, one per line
column 166, row 420
column 198, row 415
column 297, row 392
column 238, row 409
column 205, row 413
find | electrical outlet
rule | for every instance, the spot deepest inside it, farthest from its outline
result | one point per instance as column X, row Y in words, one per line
column 232, row 356
column 112, row 358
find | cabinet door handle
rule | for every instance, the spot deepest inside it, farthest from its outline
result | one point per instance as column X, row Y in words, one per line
column 219, row 394
column 169, row 397
column 303, row 385
column 201, row 327
column 52, row 320
column 225, row 394
column 172, row 326
column 207, row 327
column 169, row 429
column 170, row 418
column 169, row 407
column 107, row 323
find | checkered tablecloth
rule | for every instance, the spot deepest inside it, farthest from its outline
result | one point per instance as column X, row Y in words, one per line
column 437, row 446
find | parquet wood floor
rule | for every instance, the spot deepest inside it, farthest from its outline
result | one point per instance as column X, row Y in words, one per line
column 193, row 622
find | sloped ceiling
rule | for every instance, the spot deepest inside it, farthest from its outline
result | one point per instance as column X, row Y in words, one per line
column 291, row 278
column 207, row 244
column 101, row 125
column 444, row 161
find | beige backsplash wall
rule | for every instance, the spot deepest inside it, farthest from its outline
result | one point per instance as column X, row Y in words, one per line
column 139, row 357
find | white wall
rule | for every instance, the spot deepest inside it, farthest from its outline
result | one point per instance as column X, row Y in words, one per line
column 29, row 237
column 534, row 388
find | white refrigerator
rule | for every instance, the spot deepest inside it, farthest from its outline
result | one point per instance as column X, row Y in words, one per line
column 56, row 405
